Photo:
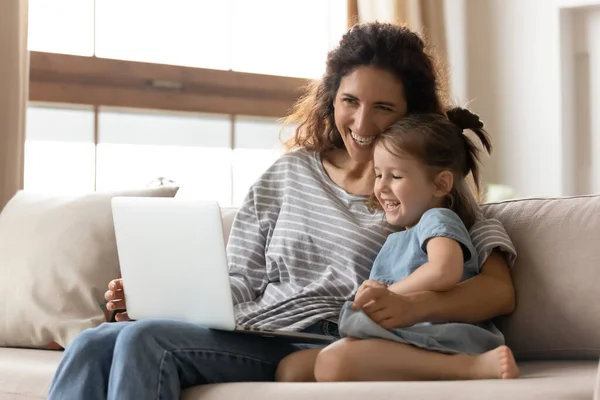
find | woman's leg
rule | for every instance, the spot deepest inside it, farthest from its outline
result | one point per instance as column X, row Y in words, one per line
column 156, row 359
column 384, row 360
column 85, row 365
column 298, row 367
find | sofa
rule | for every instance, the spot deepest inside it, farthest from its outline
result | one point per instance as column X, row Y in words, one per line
column 554, row 332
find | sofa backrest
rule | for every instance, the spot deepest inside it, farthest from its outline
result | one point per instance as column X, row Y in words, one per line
column 556, row 275
column 228, row 214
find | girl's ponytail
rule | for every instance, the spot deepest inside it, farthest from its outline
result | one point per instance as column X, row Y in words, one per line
column 465, row 119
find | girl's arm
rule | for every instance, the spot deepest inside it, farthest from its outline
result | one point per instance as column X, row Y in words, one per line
column 489, row 294
column 443, row 270
column 485, row 296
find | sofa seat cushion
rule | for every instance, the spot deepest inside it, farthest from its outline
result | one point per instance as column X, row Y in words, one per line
column 548, row 380
column 26, row 374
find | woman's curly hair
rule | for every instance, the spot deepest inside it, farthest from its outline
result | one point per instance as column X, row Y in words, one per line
column 387, row 46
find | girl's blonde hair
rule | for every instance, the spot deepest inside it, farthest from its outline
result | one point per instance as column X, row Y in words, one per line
column 439, row 142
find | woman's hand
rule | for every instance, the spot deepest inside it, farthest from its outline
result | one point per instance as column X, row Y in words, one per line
column 385, row 308
column 116, row 299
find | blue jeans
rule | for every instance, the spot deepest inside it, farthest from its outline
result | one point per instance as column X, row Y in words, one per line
column 156, row 359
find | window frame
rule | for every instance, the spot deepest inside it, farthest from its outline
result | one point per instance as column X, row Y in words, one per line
column 59, row 78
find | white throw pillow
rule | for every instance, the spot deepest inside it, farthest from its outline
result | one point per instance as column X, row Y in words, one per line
column 57, row 255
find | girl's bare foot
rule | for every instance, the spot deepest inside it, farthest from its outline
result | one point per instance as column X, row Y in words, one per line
column 496, row 364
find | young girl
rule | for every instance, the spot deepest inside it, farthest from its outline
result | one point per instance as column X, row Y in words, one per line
column 421, row 164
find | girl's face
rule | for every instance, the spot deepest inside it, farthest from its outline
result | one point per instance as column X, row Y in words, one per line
column 403, row 188
column 367, row 102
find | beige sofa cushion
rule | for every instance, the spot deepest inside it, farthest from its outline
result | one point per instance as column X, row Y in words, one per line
column 26, row 374
column 566, row 380
column 57, row 255
column 228, row 214
column 556, row 276
column 597, row 390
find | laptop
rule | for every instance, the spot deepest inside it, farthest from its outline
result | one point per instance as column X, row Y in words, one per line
column 174, row 264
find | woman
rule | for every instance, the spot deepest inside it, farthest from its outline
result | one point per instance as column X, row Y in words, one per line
column 301, row 243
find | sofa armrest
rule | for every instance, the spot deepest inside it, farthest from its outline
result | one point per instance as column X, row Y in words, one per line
column 597, row 389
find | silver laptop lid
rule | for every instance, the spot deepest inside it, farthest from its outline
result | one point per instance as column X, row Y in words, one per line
column 173, row 248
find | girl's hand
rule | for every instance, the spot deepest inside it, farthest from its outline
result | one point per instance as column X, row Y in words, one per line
column 370, row 283
column 386, row 308
column 116, row 299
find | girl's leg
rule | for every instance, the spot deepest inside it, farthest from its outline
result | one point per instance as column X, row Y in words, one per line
column 384, row 360
column 298, row 367
column 156, row 359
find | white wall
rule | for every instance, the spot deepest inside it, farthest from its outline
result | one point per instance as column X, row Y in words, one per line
column 512, row 78
column 593, row 35
column 580, row 61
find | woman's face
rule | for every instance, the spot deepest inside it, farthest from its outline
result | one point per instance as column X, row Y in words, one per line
column 367, row 102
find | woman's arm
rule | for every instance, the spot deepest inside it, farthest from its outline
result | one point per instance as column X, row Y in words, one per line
column 442, row 271
column 246, row 251
column 487, row 295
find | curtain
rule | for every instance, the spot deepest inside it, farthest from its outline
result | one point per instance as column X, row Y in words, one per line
column 14, row 83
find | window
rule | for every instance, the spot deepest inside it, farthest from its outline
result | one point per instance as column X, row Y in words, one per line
column 258, row 143
column 131, row 130
column 59, row 150
column 136, row 148
column 192, row 33
column 288, row 38
column 62, row 26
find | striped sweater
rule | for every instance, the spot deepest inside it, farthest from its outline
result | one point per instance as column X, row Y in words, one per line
column 300, row 246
